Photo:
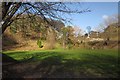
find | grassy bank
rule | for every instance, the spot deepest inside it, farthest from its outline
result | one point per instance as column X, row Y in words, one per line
column 72, row 63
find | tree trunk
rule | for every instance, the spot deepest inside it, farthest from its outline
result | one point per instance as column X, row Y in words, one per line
column 7, row 19
column 64, row 46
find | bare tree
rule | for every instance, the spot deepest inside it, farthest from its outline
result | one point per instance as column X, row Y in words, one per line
column 100, row 28
column 51, row 39
column 8, row 11
column 52, row 10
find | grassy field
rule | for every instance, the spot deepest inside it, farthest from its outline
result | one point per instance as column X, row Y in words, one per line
column 66, row 63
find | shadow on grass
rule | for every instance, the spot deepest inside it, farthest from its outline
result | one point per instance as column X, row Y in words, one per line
column 7, row 63
column 55, row 65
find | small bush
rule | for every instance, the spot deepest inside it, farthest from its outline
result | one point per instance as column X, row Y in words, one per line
column 70, row 46
column 39, row 43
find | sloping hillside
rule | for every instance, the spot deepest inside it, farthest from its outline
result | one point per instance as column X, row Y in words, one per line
column 23, row 35
column 110, row 36
column 18, row 42
column 111, row 32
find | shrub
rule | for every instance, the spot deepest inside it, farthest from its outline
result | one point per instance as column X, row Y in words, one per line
column 39, row 43
column 70, row 46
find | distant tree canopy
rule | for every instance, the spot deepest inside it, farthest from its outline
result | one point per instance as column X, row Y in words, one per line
column 11, row 11
column 36, row 30
column 36, row 24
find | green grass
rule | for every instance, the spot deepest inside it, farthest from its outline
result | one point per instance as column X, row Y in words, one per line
column 94, row 63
